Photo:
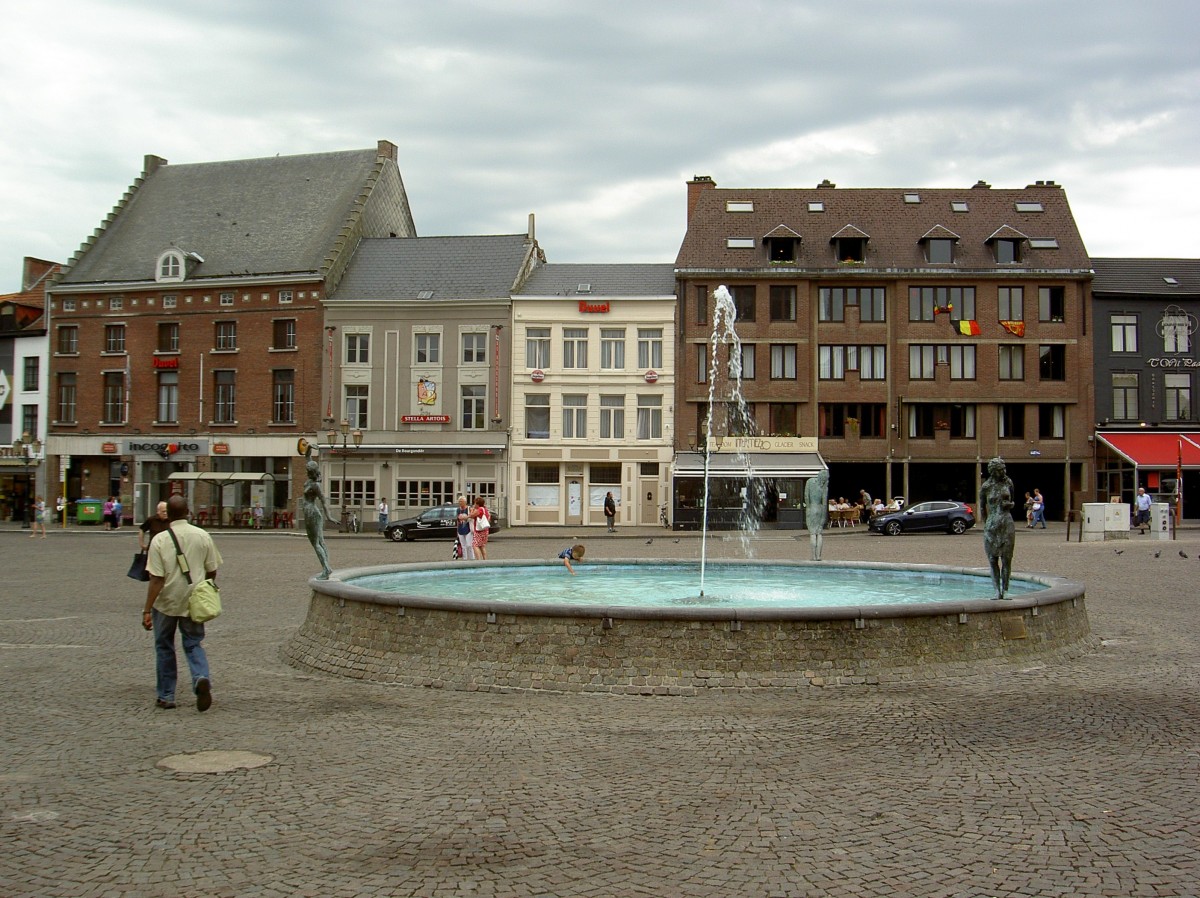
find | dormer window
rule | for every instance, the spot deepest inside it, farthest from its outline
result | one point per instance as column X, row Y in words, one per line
column 781, row 242
column 1008, row 251
column 170, row 267
column 851, row 249
column 940, row 250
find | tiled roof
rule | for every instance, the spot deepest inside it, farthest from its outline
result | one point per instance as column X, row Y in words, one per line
column 896, row 226
column 447, row 267
column 563, row 279
column 1146, row 277
column 281, row 214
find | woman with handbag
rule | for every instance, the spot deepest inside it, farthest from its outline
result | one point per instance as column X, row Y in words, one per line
column 481, row 524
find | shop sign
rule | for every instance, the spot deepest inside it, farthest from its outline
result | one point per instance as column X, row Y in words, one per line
column 165, row 448
column 425, row 419
column 220, row 449
column 762, row 444
column 651, row 376
column 538, row 376
column 1173, row 363
column 109, row 448
column 593, row 307
column 172, row 362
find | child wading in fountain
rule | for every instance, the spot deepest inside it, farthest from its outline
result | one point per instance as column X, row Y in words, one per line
column 572, row 553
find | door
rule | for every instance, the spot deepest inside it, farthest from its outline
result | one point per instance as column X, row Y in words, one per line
column 648, row 493
column 574, row 501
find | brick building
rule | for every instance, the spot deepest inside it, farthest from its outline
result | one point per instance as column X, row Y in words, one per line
column 915, row 333
column 187, row 332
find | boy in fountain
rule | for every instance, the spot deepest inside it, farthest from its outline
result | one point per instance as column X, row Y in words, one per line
column 569, row 554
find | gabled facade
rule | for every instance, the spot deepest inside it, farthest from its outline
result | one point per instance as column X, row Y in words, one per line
column 419, row 340
column 187, row 332
column 915, row 333
column 1146, row 368
column 593, row 387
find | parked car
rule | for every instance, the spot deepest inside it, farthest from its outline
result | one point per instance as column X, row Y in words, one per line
column 953, row 517
column 439, row 522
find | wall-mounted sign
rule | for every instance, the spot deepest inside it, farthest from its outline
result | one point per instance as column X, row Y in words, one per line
column 1173, row 363
column 425, row 419
column 165, row 448
column 109, row 448
column 593, row 307
column 651, row 376
column 763, row 444
column 427, row 391
column 171, row 362
column 538, row 376
column 220, row 448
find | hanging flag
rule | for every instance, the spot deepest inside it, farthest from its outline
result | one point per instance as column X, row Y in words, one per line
column 1179, row 486
column 1014, row 327
column 968, row 328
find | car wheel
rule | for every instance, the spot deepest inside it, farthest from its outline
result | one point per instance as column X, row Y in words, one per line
column 397, row 535
column 958, row 526
column 893, row 528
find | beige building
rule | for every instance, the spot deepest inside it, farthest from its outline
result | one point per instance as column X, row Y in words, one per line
column 593, row 392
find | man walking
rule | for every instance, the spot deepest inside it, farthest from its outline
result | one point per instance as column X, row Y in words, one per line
column 383, row 515
column 167, row 603
column 610, row 512
column 1143, row 510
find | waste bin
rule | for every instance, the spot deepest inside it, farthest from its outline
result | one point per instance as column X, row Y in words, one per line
column 89, row 511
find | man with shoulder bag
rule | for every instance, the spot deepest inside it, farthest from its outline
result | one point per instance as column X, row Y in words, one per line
column 180, row 557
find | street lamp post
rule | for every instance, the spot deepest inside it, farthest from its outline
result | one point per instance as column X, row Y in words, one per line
column 346, row 434
column 29, row 451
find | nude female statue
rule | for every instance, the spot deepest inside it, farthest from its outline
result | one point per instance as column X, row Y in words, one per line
column 315, row 512
column 999, row 534
column 816, row 510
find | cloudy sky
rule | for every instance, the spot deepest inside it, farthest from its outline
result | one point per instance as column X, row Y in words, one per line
column 592, row 114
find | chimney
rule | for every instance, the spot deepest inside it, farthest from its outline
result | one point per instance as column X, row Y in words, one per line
column 530, row 233
column 981, row 185
column 151, row 164
column 388, row 150
column 826, row 185
column 695, row 186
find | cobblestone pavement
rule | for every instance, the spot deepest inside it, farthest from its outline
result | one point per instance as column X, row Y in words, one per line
column 1080, row 779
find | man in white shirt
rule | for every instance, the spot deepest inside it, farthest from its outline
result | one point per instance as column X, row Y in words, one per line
column 1143, row 510
column 383, row 515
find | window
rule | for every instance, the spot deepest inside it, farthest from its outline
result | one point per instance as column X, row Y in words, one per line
column 851, row 249
column 537, row 416
column 474, row 407
column 650, row 347
column 701, row 304
column 537, row 347
column 960, row 301
column 358, row 349
column 114, row 397
column 283, row 396
column 1029, row 207
column 1052, row 361
column 1051, row 304
column 831, row 362
column 740, row 243
column 357, row 402
column 922, row 361
column 285, row 297
column 783, row 303
column 962, row 422
column 226, row 337
column 420, row 493
column 962, row 361
column 1176, row 336
column 31, row 380
column 116, row 303
column 225, row 397
column 69, row 304
column 427, row 349
column 1125, row 396
column 836, row 419
column 168, row 336
column 1124, row 333
column 782, row 249
column 783, row 417
column 612, row 417
column 168, row 398
column 831, row 304
column 921, row 422
column 575, row 341
column 701, row 364
column 574, row 416
column 1177, row 391
column 1012, row 362
column 739, row 206
column 1010, row 303
column 225, row 299
column 1011, row 418
column 1052, row 422
column 612, row 348
column 474, row 349
column 114, row 338
column 783, row 361
column 170, row 267
column 170, row 302
column 543, row 489
column 649, row 418
column 871, row 306
column 352, row 493
column 283, row 333
column 940, row 250
column 68, row 340
column 871, row 362
column 743, row 302
column 1007, row 250
column 66, row 397
column 748, row 367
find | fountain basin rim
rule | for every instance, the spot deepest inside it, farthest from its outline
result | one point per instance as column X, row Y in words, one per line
column 1055, row 590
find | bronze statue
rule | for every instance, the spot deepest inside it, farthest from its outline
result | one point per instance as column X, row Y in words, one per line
column 999, row 534
column 816, row 510
column 315, row 511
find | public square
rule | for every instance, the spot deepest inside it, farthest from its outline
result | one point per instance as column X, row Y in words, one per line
column 1075, row 779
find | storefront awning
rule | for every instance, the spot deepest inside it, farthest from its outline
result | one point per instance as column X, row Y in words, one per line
column 221, row 477
column 1155, row 449
column 754, row 464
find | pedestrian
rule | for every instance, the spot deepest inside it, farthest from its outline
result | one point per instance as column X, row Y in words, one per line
column 1143, row 510
column 39, row 517
column 167, row 603
column 117, row 511
column 152, row 527
column 610, row 511
column 383, row 515
column 1028, row 510
column 1039, row 508
column 108, row 513
column 258, row 515
column 466, row 544
column 569, row 554
column 481, row 525
column 866, row 504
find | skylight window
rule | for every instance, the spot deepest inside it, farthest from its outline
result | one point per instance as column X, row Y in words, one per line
column 740, row 243
column 1043, row 243
column 739, row 206
column 912, row 197
column 1171, row 282
column 583, row 288
column 1030, row 207
column 425, row 294
column 816, row 207
column 959, row 206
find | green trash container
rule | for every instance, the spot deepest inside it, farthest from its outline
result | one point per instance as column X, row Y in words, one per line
column 89, row 511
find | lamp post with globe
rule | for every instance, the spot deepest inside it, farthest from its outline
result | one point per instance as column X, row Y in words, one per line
column 346, row 435
column 30, row 451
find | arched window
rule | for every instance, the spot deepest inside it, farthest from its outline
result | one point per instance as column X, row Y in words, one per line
column 170, row 266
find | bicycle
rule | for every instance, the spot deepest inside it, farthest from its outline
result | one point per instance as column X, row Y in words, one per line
column 662, row 517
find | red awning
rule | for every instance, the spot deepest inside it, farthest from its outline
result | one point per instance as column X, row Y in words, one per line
column 1155, row 449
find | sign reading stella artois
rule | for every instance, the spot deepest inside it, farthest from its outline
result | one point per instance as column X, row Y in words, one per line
column 762, row 444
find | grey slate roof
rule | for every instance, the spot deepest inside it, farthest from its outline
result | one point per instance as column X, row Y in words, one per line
column 275, row 215
column 563, row 279
column 1144, row 277
column 452, row 267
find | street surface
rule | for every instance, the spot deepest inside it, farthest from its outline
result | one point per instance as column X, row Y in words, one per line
column 1078, row 780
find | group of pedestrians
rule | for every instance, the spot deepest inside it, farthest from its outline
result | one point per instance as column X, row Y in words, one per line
column 474, row 526
column 1035, row 510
